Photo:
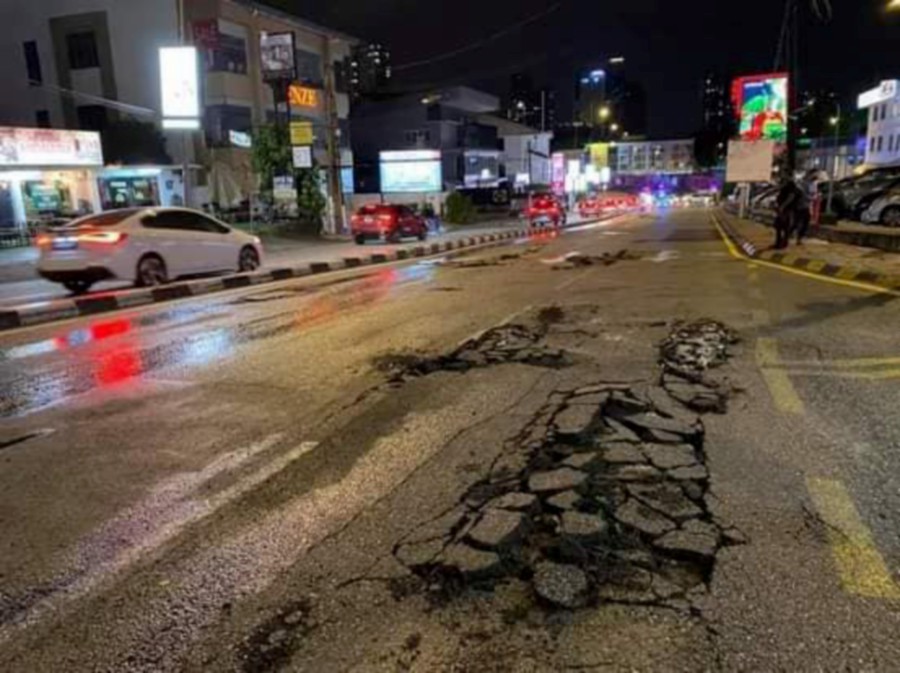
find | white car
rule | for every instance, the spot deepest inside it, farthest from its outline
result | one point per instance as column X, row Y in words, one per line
column 884, row 210
column 147, row 246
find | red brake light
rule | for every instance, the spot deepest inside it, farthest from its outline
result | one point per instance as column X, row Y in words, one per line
column 107, row 237
column 43, row 240
column 386, row 217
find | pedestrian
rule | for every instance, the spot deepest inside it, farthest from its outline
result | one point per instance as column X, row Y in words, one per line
column 785, row 212
column 808, row 192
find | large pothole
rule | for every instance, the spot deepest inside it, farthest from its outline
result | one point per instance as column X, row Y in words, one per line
column 601, row 499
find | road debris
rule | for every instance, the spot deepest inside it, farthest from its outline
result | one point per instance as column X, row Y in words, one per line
column 687, row 355
column 578, row 260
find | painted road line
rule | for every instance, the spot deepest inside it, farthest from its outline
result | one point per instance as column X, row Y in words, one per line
column 861, row 567
column 779, row 383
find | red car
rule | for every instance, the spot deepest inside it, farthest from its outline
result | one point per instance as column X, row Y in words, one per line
column 545, row 209
column 387, row 222
column 591, row 206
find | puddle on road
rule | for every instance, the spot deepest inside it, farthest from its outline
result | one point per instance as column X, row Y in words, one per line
column 112, row 352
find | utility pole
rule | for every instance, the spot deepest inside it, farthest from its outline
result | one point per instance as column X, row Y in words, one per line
column 333, row 143
column 185, row 161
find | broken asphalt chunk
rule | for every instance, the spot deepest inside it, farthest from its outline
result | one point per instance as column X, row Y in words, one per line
column 700, row 546
column 472, row 563
column 497, row 529
column 562, row 479
column 583, row 528
column 640, row 517
column 518, row 502
column 667, row 456
column 561, row 585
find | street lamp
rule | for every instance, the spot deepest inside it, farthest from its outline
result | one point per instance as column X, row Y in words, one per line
column 604, row 113
column 835, row 122
column 613, row 127
column 893, row 5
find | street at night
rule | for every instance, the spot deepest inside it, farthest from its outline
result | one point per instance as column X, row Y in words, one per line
column 236, row 481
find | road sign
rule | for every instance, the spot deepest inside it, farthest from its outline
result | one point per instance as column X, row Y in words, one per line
column 303, row 156
column 750, row 160
column 301, row 133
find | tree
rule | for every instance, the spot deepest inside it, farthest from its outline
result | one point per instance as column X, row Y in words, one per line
column 128, row 141
column 310, row 199
column 271, row 154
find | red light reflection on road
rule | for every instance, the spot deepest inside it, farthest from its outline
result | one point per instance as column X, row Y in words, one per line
column 116, row 367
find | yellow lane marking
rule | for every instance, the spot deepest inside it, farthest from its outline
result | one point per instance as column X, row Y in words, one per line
column 857, row 363
column 816, row 265
column 783, row 393
column 861, row 567
column 855, row 284
column 847, row 274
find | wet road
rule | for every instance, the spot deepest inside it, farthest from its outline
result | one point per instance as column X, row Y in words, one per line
column 283, row 253
column 172, row 476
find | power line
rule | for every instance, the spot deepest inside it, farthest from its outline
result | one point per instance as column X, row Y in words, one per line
column 480, row 43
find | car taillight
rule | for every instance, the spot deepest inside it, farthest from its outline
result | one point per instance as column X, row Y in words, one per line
column 107, row 237
column 386, row 218
column 43, row 240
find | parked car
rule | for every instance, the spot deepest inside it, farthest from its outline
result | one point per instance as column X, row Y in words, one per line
column 854, row 195
column 591, row 205
column 146, row 246
column 885, row 209
column 545, row 209
column 383, row 221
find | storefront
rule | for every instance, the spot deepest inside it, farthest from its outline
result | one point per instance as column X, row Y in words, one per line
column 47, row 175
column 130, row 186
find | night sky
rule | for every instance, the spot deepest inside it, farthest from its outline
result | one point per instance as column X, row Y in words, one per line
column 668, row 45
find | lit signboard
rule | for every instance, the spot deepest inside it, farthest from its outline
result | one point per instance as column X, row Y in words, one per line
column 761, row 105
column 412, row 171
column 278, row 57
column 886, row 91
column 49, row 147
column 301, row 133
column 302, row 96
column 179, row 83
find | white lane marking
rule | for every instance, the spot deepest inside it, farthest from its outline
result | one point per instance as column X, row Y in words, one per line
column 571, row 281
column 140, row 530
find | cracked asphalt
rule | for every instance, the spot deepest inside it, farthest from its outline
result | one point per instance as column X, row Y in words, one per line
column 224, row 484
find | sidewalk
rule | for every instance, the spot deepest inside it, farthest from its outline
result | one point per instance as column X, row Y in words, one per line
column 816, row 255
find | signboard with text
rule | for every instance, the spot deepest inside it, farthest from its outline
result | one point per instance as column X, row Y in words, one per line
column 302, row 96
column 180, row 87
column 278, row 57
column 302, row 156
column 49, row 147
column 750, row 161
column 301, row 133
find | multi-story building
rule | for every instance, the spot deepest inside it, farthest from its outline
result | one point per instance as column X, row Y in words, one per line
column 670, row 157
column 883, row 139
column 444, row 124
column 718, row 123
column 526, row 151
column 370, row 69
column 78, row 64
column 609, row 104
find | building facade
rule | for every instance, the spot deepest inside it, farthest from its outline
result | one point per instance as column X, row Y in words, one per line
column 445, row 121
column 525, row 158
column 529, row 106
column 370, row 69
column 654, row 157
column 883, row 138
column 89, row 64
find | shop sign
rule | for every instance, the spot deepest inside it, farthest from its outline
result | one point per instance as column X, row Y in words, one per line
column 240, row 139
column 302, row 157
column 278, row 56
column 180, row 87
column 303, row 96
column 301, row 133
column 880, row 94
column 49, row 147
column 283, row 188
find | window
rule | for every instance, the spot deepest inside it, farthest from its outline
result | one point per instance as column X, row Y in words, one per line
column 32, row 62
column 91, row 117
column 183, row 220
column 880, row 145
column 42, row 119
column 884, row 111
column 890, row 143
column 220, row 119
column 309, row 68
column 872, row 144
column 82, row 49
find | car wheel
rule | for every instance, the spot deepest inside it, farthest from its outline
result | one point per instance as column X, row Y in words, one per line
column 248, row 260
column 151, row 271
column 360, row 240
column 423, row 234
column 78, row 286
column 890, row 217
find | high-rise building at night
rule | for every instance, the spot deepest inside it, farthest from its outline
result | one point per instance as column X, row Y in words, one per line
column 370, row 69
column 530, row 106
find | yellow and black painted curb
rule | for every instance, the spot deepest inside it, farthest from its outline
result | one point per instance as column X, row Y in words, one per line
column 862, row 278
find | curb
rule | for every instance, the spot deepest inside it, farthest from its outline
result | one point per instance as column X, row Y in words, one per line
column 813, row 266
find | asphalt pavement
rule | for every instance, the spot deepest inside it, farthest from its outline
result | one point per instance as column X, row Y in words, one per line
column 223, row 483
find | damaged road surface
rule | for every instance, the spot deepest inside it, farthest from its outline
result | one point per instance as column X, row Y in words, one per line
column 576, row 460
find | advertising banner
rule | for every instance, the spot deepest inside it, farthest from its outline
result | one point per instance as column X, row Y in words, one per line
column 302, row 96
column 302, row 133
column 49, row 147
column 761, row 105
column 750, row 161
column 411, row 171
column 276, row 53
column 179, row 83
column 599, row 155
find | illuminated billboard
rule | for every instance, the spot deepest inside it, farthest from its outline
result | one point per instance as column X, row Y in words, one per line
column 761, row 105
column 411, row 171
column 179, row 83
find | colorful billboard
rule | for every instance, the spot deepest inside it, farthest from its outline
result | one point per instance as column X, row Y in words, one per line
column 22, row 147
column 761, row 105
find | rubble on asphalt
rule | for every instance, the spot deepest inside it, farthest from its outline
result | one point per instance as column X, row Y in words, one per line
column 688, row 355
column 504, row 344
column 609, row 506
column 578, row 260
